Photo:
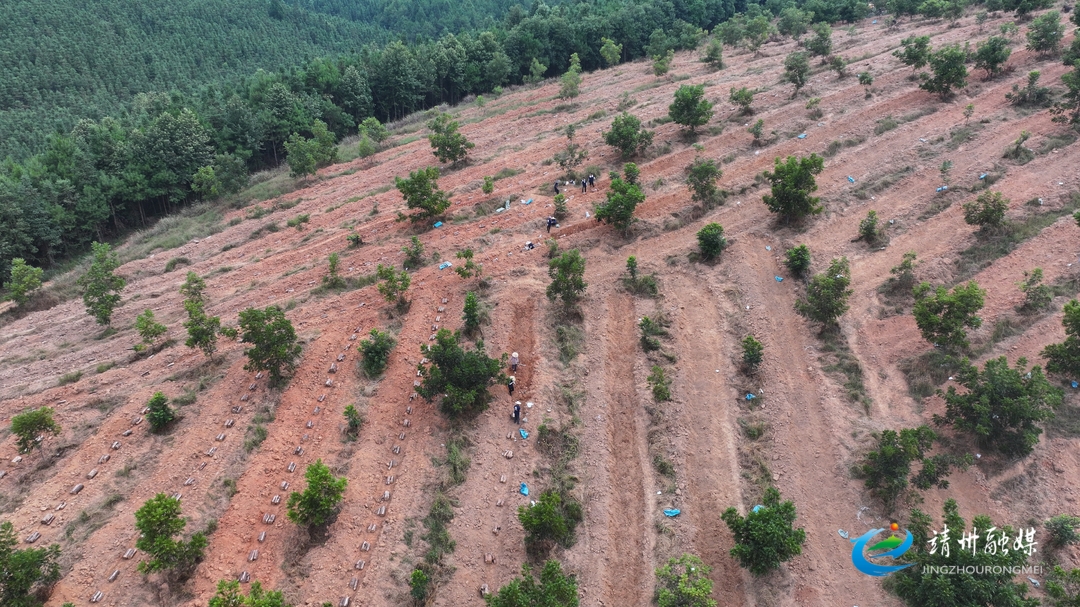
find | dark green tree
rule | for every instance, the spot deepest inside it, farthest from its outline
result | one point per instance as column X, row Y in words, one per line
column 792, row 183
column 757, row 32
column 1037, row 296
column 460, row 377
column 333, row 279
column 1062, row 531
column 159, row 413
column 229, row 595
column 752, row 354
column 419, row 586
column 550, row 521
column 927, row 583
column 158, row 522
column 711, row 241
column 684, row 582
column 30, row 424
column 148, row 328
column 300, row 154
column 742, row 97
column 793, row 22
column 1045, row 33
column 796, row 71
column 690, row 108
column 949, row 71
column 942, row 316
column 827, row 294
column 915, row 52
column 376, row 352
column 992, row 55
column 24, row 572
column 422, row 194
column 470, row 268
column 623, row 196
column 447, row 143
column 987, row 211
column 202, row 329
column 766, row 538
column 628, row 136
column 1064, row 358
column 1001, row 405
column 701, row 178
column 567, row 273
column 274, row 346
column 888, row 466
column 821, row 44
column 393, row 285
column 714, row 54
column 100, row 286
column 471, row 315
column 797, row 260
column 554, row 589
column 353, row 421
column 24, row 280
column 318, row 503
column 1067, row 111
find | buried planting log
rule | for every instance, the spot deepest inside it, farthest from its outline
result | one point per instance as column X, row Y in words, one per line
column 484, row 591
column 333, row 367
column 253, row 556
column 291, row 467
column 390, row 479
column 408, row 410
column 176, row 496
column 401, row 436
column 258, row 375
column 190, row 481
column 238, row 409
column 92, row 473
column 244, row 398
column 136, row 421
column 502, row 479
column 61, row 505
column 129, row 553
column 406, row 422
column 329, row 382
column 262, row 537
column 269, row 518
column 372, row 527
column 316, row 410
column 508, row 454
column 322, row 397
column 252, row 386
column 413, row 396
column 211, row 451
column 126, row 433
column 340, row 357
column 3, row 473
column 97, row 596
column 365, row 547
column 48, row 519
column 353, row 583
column 220, row 437
column 299, row 451
column 396, row 449
column 275, row 500
column 104, row 458
column 359, row 565
column 310, row 424
column 245, row 577
column 33, row 537
column 115, row 445
column 389, row 464
column 489, row 558
column 385, row 496
column 76, row 489
column 284, row 485
column 305, row 437
column 381, row 511
column 344, row 602
column 202, row 465
column 497, row 529
column 115, row 574
column 229, row 423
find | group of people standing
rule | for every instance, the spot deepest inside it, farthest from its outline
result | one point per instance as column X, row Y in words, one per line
column 586, row 183
column 511, row 383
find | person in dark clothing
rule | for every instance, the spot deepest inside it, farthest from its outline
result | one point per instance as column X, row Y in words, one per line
column 556, row 188
column 551, row 222
column 517, row 413
column 510, row 384
column 592, row 182
column 584, row 186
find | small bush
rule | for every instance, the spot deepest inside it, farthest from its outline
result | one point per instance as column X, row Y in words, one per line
column 1062, row 530
column 176, row 262
column 551, row 520
column 353, row 422
column 376, row 352
column 752, row 353
column 160, row 414
column 660, row 384
column 869, row 231
column 298, row 221
column 711, row 241
column 70, row 378
column 797, row 260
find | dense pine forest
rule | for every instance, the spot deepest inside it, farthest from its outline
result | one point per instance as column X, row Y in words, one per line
column 110, row 109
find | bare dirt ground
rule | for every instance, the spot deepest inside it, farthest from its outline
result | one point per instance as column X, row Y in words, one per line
column 813, row 433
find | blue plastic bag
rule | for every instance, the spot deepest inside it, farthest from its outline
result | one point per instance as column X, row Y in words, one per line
column 750, row 396
column 523, row 433
column 758, row 507
column 438, row 224
column 802, row 136
column 1075, row 385
column 779, row 278
column 524, row 489
column 672, row 512
column 444, row 265
column 851, row 179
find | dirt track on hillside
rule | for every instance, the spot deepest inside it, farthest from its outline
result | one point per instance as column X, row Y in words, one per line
column 813, row 435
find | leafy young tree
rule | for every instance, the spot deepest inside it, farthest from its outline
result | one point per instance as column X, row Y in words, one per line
column 987, row 211
column 274, row 346
column 470, row 268
column 1063, row 587
column 489, row 184
column 662, row 63
column 159, row 413
column 992, row 55
column 903, row 275
column 684, row 582
column 101, row 287
column 555, row 589
column 574, row 154
column 551, row 520
column 711, row 241
column 1045, row 33
column 623, row 196
column 29, row 425
column 701, row 178
column 24, row 572
column 792, row 183
column 1037, row 296
column 610, row 51
column 419, row 584
column 757, row 32
column 353, row 421
column 374, row 129
column 949, row 70
column 422, row 194
column 461, row 377
column 915, row 52
column 158, row 522
column 393, row 285
column 839, row 65
column 869, row 231
column 732, row 31
column 821, row 44
column 865, row 78
column 567, row 273
column 536, row 72
column 471, row 315
column 752, row 353
column 942, row 316
column 318, row 503
column 1064, row 358
column 148, row 328
column 229, row 595
column 1001, row 405
column 888, row 466
column 414, row 253
column 376, row 352
column 24, row 280
column 570, row 85
column 1062, row 530
column 827, row 294
column 922, row 585
column 793, row 22
column 714, row 54
column 1032, row 95
column 766, row 538
column 332, row 279
column 202, row 329
column 447, row 143
column 300, row 154
column 690, row 108
column 796, row 71
column 743, row 98
column 628, row 136
column 1067, row 111
column 797, row 260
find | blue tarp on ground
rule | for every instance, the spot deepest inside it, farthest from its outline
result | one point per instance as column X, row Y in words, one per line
column 851, row 179
column 524, row 489
column 438, row 224
column 672, row 512
column 524, row 434
column 779, row 278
